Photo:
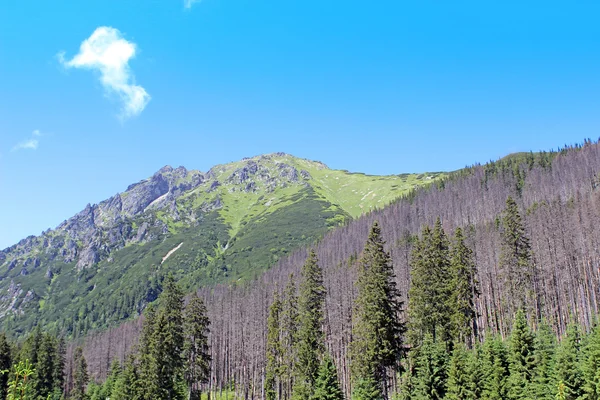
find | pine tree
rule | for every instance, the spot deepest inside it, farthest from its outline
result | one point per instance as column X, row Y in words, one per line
column 522, row 358
column 544, row 385
column 460, row 384
column 428, row 307
column 377, row 332
column 44, row 367
column 476, row 370
column 568, row 367
column 196, row 349
column 367, row 389
column 59, row 368
column 431, row 370
column 463, row 290
column 515, row 257
column 309, row 347
column 80, row 376
column 127, row 385
column 113, row 376
column 5, row 364
column 496, row 369
column 591, row 365
column 148, row 365
column 327, row 386
column 274, row 350
column 169, row 340
column 289, row 334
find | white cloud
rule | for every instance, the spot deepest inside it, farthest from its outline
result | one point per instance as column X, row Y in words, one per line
column 108, row 53
column 29, row 144
column 189, row 3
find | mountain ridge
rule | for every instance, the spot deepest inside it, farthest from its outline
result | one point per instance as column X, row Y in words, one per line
column 231, row 222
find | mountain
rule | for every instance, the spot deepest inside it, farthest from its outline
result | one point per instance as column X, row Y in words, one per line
column 558, row 197
column 106, row 263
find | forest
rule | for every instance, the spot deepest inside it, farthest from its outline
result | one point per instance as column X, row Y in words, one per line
column 481, row 286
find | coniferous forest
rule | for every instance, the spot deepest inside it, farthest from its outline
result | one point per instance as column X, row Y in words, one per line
column 484, row 285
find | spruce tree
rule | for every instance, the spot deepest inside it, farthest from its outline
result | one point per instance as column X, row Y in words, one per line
column 274, row 350
column 377, row 332
column 522, row 357
column 568, row 366
column 460, row 384
column 80, row 376
column 515, row 257
column 59, row 368
column 327, row 386
column 544, row 385
column 431, row 370
column 309, row 346
column 113, row 376
column 463, row 290
column 44, row 367
column 148, row 364
column 5, row 364
column 496, row 369
column 127, row 386
column 169, row 340
column 475, row 368
column 429, row 294
column 196, row 350
column 289, row 334
column 367, row 389
column 591, row 365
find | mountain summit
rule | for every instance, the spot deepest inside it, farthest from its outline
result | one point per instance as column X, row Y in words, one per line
column 231, row 222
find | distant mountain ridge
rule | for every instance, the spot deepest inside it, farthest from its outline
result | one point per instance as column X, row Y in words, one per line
column 233, row 221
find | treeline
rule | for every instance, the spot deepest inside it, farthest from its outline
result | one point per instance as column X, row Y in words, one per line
column 172, row 360
column 435, row 353
column 37, row 369
column 553, row 277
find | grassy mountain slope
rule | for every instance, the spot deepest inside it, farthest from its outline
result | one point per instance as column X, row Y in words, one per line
column 106, row 263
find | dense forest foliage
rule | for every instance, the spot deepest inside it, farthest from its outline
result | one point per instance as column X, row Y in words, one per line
column 557, row 198
column 486, row 287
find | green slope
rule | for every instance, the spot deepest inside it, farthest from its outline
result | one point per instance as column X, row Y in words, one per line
column 229, row 224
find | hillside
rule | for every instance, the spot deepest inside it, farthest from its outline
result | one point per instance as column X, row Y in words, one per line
column 106, row 263
column 558, row 197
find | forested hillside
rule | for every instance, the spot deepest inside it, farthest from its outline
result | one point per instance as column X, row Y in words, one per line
column 556, row 200
column 105, row 264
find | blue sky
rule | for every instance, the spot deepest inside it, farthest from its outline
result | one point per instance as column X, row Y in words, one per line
column 379, row 87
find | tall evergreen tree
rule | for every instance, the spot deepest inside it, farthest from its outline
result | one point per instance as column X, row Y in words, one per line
column 327, row 386
column 274, row 351
column 310, row 347
column 196, row 350
column 148, row 364
column 5, row 364
column 289, row 335
column 515, row 258
column 127, row 385
column 463, row 290
column 59, row 368
column 591, row 365
column 496, row 369
column 428, row 305
column 431, row 370
column 568, row 367
column 522, row 358
column 44, row 367
column 377, row 332
column 80, row 377
column 460, row 384
column 169, row 340
column 544, row 385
